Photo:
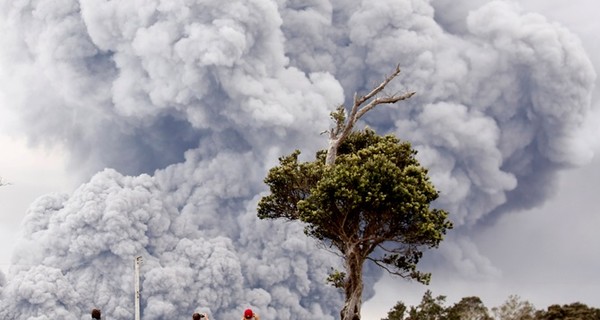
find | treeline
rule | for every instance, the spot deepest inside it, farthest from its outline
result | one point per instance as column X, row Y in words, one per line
column 472, row 308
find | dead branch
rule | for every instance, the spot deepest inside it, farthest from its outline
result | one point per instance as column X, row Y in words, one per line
column 345, row 125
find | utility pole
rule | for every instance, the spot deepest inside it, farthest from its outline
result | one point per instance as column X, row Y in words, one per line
column 136, row 265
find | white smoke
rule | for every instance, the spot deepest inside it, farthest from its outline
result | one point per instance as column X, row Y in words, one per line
column 191, row 102
column 201, row 249
column 526, row 88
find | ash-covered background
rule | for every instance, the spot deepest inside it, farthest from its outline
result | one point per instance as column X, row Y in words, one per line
column 146, row 127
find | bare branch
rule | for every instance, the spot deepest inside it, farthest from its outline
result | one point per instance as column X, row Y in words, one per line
column 345, row 125
column 386, row 100
column 379, row 88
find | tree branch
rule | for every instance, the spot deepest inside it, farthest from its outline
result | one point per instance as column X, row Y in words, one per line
column 404, row 275
column 379, row 88
column 345, row 125
column 386, row 100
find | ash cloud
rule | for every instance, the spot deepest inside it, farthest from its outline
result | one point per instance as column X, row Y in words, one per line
column 191, row 102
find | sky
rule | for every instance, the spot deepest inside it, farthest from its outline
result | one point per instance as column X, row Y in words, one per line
column 147, row 130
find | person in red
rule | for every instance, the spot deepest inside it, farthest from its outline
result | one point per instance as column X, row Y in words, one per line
column 249, row 314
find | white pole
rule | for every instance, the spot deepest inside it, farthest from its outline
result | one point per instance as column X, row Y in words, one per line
column 137, row 263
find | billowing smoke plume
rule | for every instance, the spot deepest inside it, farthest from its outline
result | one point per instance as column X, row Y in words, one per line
column 190, row 103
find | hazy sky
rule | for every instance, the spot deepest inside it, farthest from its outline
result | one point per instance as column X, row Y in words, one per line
column 503, row 117
column 547, row 254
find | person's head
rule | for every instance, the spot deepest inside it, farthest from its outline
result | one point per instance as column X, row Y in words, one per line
column 96, row 314
column 248, row 314
column 196, row 316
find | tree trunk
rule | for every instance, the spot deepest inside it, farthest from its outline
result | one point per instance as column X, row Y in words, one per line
column 332, row 151
column 354, row 259
column 353, row 285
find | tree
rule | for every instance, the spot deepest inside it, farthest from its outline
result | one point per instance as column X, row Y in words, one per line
column 573, row 311
column 514, row 309
column 430, row 308
column 469, row 308
column 397, row 312
column 366, row 196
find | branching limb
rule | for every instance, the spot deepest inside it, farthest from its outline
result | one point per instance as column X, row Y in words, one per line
column 385, row 100
column 344, row 126
column 377, row 89
column 384, row 266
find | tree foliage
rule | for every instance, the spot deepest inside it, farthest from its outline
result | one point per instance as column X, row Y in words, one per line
column 373, row 204
column 471, row 308
column 376, row 196
column 430, row 308
column 514, row 308
column 571, row 311
column 397, row 312
column 365, row 195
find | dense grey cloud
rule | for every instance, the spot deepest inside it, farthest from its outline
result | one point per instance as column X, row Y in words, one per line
column 201, row 249
column 190, row 103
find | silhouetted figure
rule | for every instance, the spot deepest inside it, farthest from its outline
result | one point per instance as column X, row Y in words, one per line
column 199, row 316
column 96, row 314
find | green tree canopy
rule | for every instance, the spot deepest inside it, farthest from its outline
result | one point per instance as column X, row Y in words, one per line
column 469, row 308
column 571, row 311
column 514, row 309
column 397, row 312
column 373, row 204
column 430, row 308
column 472, row 308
